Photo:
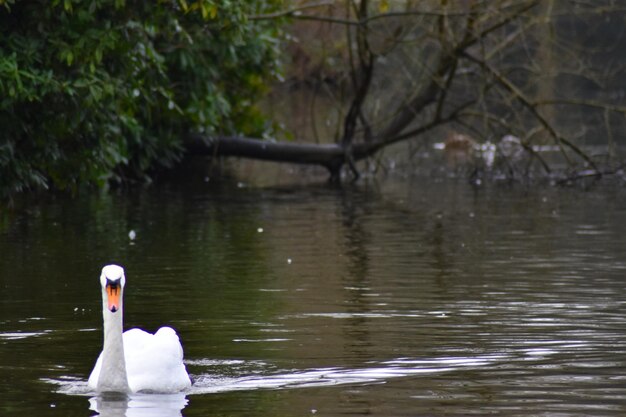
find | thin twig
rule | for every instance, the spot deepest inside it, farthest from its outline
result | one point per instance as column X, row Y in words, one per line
column 294, row 11
column 582, row 102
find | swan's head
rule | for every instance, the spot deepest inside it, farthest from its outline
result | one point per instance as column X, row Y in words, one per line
column 112, row 281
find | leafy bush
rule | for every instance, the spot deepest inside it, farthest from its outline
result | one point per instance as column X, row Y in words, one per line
column 105, row 90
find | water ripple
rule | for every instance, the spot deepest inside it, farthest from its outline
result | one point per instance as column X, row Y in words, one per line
column 375, row 372
column 21, row 335
column 254, row 375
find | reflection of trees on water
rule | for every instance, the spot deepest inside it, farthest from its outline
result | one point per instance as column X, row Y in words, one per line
column 356, row 246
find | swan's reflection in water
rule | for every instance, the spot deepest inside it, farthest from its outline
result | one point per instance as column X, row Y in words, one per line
column 138, row 405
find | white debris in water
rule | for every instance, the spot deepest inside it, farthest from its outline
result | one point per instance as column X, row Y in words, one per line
column 260, row 230
column 132, row 235
column 289, row 261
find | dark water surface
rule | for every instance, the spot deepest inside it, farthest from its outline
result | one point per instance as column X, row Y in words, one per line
column 388, row 299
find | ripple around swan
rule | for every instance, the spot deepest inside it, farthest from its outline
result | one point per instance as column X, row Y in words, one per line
column 255, row 375
column 260, row 375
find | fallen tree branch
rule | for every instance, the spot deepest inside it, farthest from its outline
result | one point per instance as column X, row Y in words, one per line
column 330, row 156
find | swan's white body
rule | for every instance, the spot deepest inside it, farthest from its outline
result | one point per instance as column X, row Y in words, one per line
column 134, row 361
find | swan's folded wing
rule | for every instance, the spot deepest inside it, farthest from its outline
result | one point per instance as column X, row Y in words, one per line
column 136, row 339
column 169, row 342
column 155, row 362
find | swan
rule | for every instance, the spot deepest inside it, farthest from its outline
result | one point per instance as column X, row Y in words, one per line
column 135, row 361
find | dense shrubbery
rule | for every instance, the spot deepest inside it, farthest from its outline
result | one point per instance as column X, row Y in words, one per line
column 103, row 90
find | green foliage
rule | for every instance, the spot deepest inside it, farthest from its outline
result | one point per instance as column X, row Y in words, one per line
column 94, row 91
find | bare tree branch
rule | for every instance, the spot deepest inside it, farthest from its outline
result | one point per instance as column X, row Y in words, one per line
column 582, row 102
column 526, row 102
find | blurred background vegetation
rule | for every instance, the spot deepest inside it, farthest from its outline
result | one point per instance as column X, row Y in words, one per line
column 93, row 92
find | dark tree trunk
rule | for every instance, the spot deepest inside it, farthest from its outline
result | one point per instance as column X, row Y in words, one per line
column 330, row 156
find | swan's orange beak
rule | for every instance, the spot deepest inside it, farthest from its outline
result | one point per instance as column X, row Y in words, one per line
column 113, row 296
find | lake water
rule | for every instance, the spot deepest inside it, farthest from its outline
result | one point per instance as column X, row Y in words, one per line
column 399, row 297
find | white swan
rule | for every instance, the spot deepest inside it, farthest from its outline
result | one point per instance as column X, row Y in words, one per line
column 136, row 361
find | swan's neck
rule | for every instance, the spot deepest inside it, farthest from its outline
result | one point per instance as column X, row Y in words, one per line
column 113, row 373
